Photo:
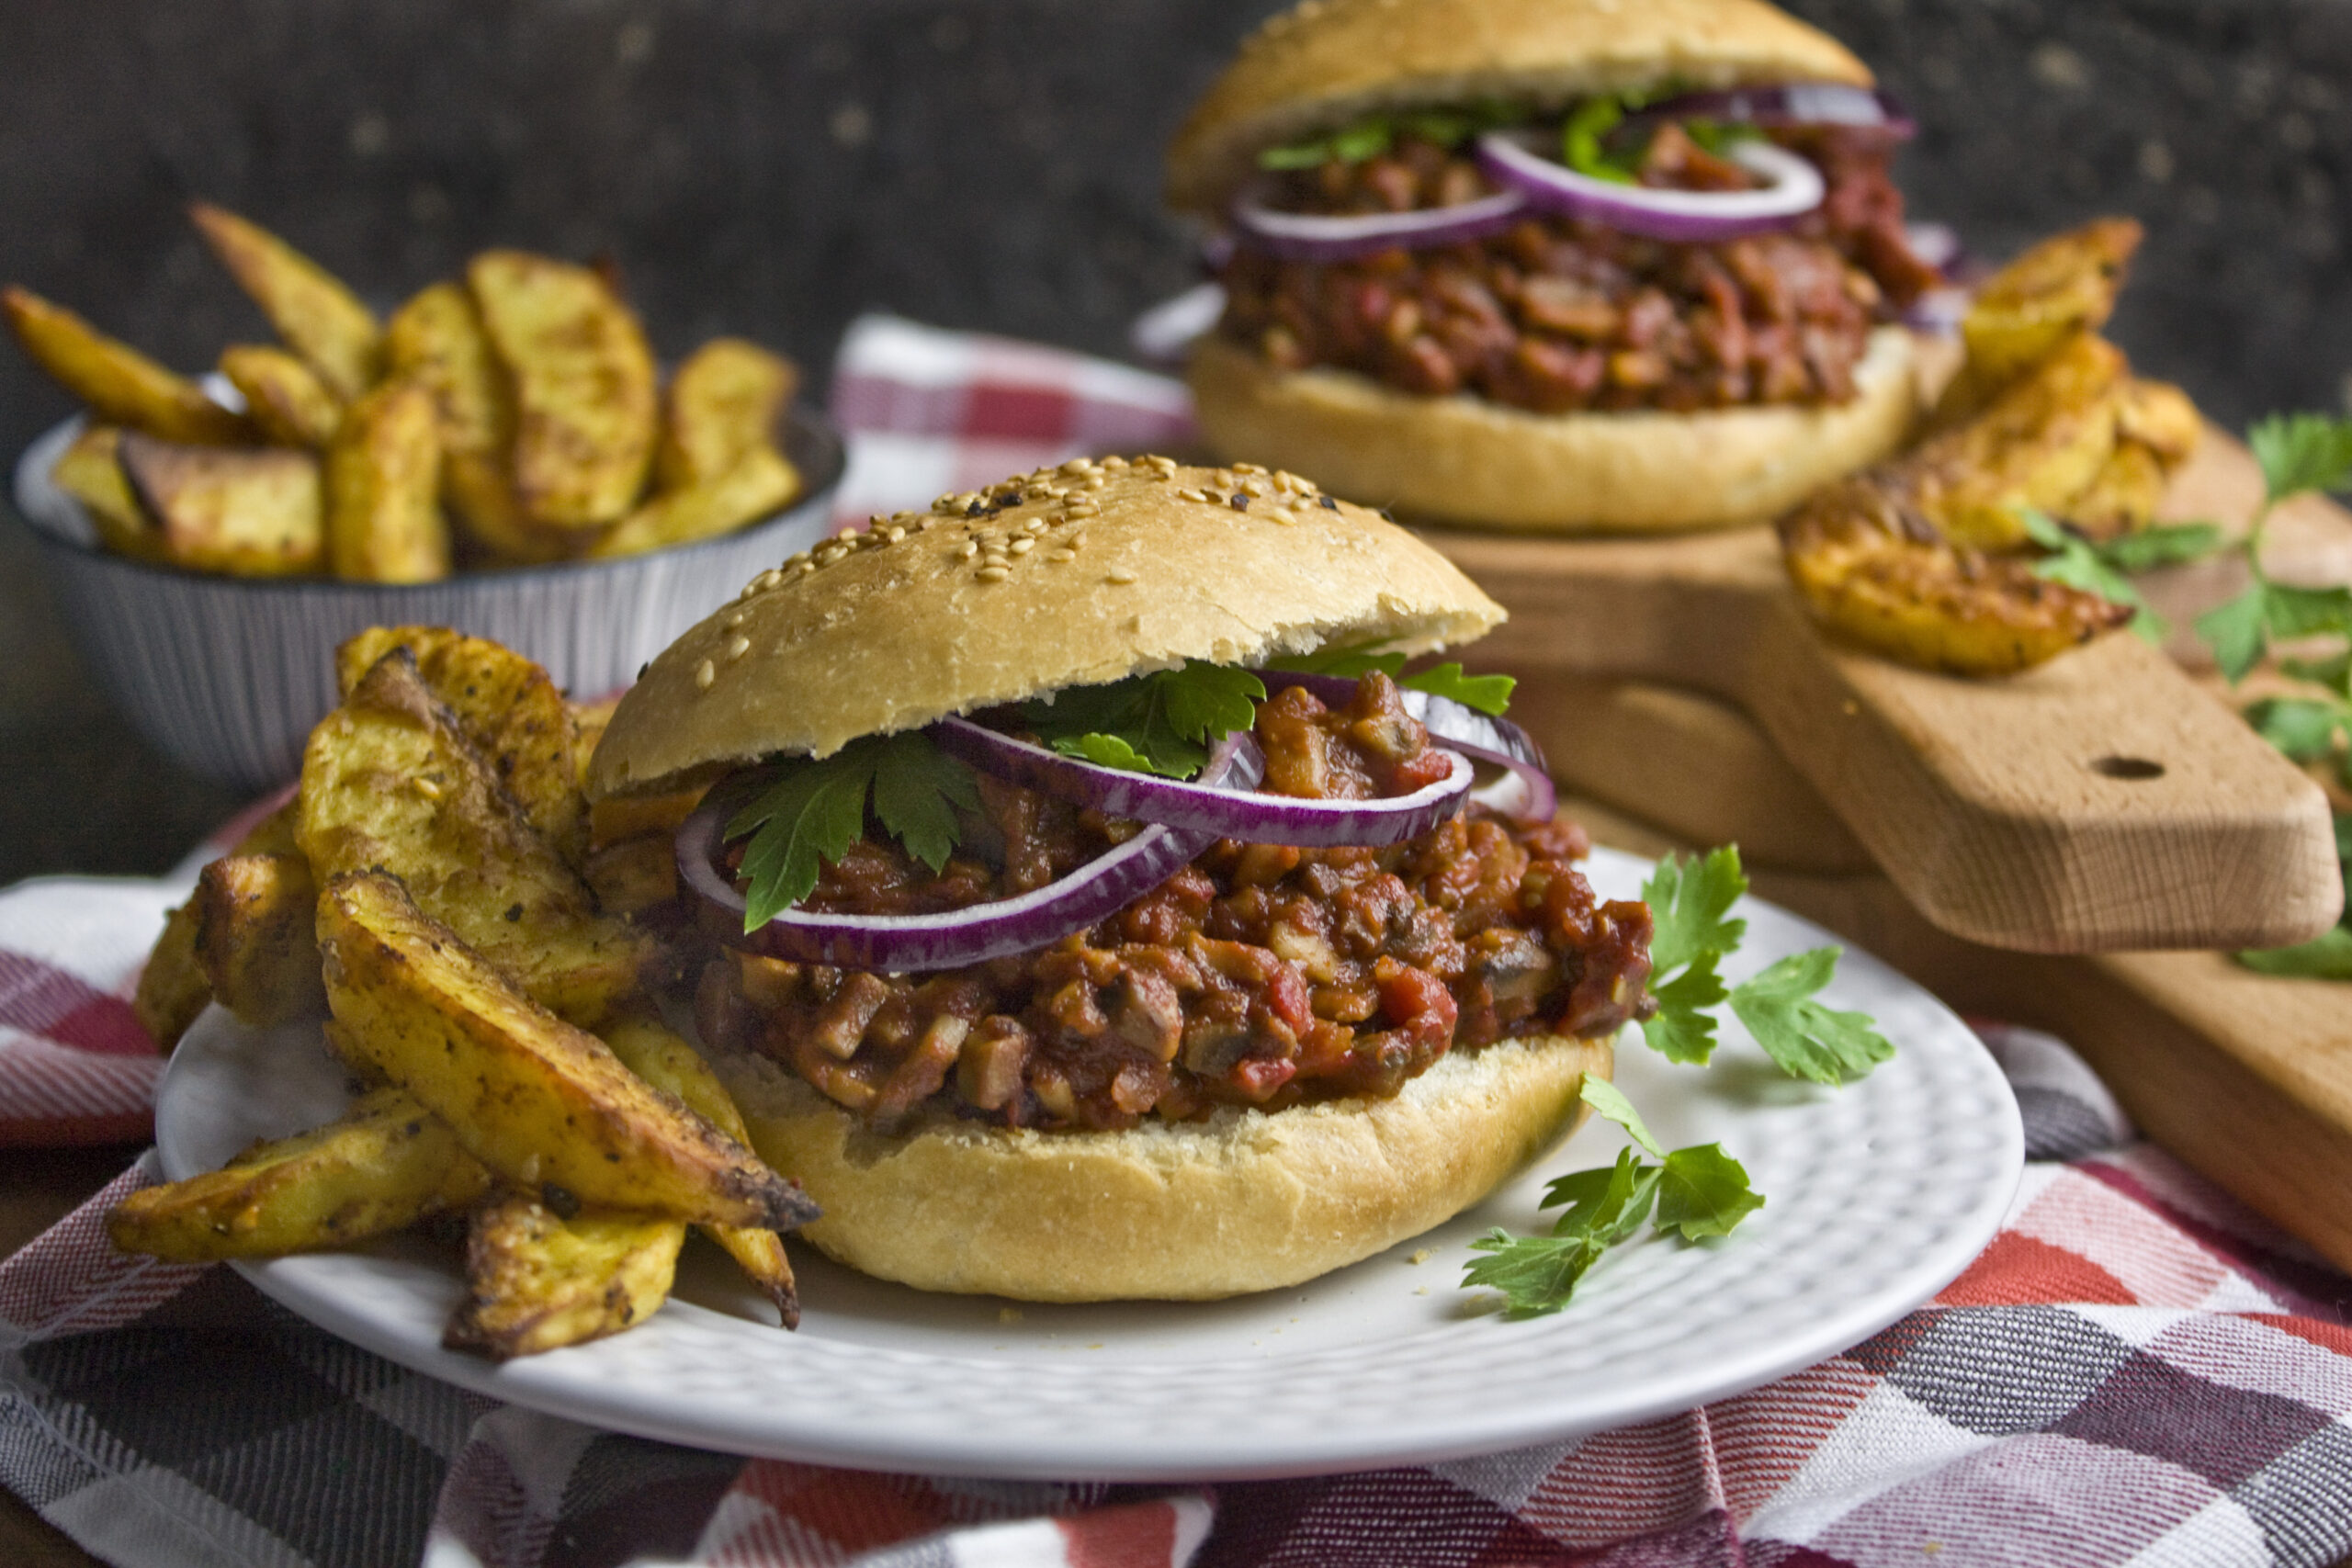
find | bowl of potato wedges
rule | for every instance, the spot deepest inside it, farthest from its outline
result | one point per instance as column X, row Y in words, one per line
column 499, row 454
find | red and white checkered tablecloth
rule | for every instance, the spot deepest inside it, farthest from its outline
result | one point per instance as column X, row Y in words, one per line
column 2136, row 1371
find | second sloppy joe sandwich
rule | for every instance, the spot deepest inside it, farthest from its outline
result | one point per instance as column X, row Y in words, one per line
column 1089, row 904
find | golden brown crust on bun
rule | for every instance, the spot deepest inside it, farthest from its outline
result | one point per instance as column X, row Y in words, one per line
column 1097, row 572
column 1327, row 63
column 1245, row 1200
column 1464, row 460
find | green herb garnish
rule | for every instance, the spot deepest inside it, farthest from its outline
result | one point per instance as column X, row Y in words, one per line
column 2102, row 569
column 1371, row 137
column 1490, row 695
column 1694, row 1193
column 1581, row 141
column 816, row 808
column 1163, row 723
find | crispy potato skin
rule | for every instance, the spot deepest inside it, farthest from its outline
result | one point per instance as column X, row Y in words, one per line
column 384, row 1165
column 255, row 938
column 90, row 470
column 661, row 1058
column 251, row 512
column 583, row 382
column 390, row 780
column 383, row 484
column 537, row 1281
column 2065, row 287
column 507, row 707
column 284, row 396
column 120, row 385
column 760, row 483
column 723, row 403
column 2041, row 442
column 543, row 1104
column 319, row 318
column 173, row 988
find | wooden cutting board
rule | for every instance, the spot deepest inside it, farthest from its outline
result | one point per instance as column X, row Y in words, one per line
column 2100, row 802
column 2246, row 1077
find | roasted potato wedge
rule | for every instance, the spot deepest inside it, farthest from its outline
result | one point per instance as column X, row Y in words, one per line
column 120, row 385
column 724, row 402
column 583, row 379
column 1887, row 582
column 390, row 780
column 384, row 1165
column 656, row 1055
column 2063, row 287
column 2040, row 443
column 383, row 487
column 547, row 1107
column 754, row 488
column 90, row 470
column 635, row 875
column 253, row 512
column 437, row 341
column 173, row 988
column 535, row 1280
column 283, row 395
column 318, row 316
column 255, row 915
column 507, row 707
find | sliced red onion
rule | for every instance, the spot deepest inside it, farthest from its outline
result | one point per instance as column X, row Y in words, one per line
column 1794, row 187
column 1318, row 237
column 1525, row 790
column 1799, row 103
column 1219, row 810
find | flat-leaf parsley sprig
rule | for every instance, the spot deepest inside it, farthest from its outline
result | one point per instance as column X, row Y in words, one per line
column 1693, row 1192
column 814, row 809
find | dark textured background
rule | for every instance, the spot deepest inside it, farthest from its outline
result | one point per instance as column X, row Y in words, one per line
column 773, row 166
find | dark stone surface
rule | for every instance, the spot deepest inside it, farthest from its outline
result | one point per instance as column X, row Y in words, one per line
column 773, row 166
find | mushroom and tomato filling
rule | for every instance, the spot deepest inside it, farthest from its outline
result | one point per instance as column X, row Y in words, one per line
column 1557, row 313
column 1257, row 975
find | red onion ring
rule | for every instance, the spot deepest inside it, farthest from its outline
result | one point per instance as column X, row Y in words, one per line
column 1316, row 237
column 1217, row 809
column 1679, row 216
column 1799, row 103
column 1525, row 790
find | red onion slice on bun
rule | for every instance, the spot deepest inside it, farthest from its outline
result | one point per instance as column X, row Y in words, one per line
column 1800, row 103
column 1793, row 187
column 1314, row 237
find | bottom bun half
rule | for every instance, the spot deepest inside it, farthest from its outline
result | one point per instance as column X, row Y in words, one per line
column 1243, row 1201
column 1464, row 460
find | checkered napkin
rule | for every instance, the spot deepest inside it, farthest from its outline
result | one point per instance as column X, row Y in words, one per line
column 2137, row 1371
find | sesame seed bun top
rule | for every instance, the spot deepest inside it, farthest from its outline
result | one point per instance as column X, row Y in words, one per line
column 1326, row 63
column 1065, row 576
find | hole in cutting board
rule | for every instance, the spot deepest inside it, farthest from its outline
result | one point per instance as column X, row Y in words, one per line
column 2134, row 768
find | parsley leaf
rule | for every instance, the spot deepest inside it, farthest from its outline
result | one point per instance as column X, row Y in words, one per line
column 2327, row 957
column 1703, row 1191
column 1689, row 904
column 814, row 808
column 1681, row 1031
column 1609, row 1101
column 1808, row 1040
column 2077, row 563
column 1162, row 723
column 2304, row 728
column 1581, row 141
column 1490, row 695
column 2238, row 632
column 1536, row 1274
column 2300, row 452
column 2161, row 545
column 2306, row 612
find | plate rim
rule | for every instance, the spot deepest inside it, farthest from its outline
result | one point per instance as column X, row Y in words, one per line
column 562, row 1385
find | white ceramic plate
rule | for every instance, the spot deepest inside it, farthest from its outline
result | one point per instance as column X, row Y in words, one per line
column 1879, row 1195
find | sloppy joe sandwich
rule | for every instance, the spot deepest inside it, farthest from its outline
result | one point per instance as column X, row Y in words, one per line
column 1092, row 898
column 1554, row 265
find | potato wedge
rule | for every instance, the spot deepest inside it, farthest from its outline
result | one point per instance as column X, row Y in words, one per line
column 754, row 488
column 90, row 470
column 507, row 707
column 251, row 512
column 588, row 722
column 724, row 402
column 383, row 482
column 2063, row 286
column 255, row 915
column 535, row 1280
column 173, row 988
column 634, row 876
column 583, row 379
column 1887, row 583
column 318, row 316
column 661, row 1058
column 548, row 1107
column 283, row 395
column 120, row 385
column 390, row 780
column 383, row 1166
column 2041, row 442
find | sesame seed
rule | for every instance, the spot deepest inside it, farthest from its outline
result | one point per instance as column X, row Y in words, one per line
column 1119, row 575
column 966, row 550
column 948, row 503
column 1255, row 489
column 894, row 533
column 1240, row 502
column 1021, row 547
column 739, row 647
column 1078, row 466
column 1248, row 468
column 804, row 569
column 427, row 788
column 994, row 573
column 705, row 673
column 1114, row 463
column 1096, row 481
column 904, row 519
column 732, row 619
column 1330, row 505
column 768, row 580
column 796, row 561
column 1061, row 555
